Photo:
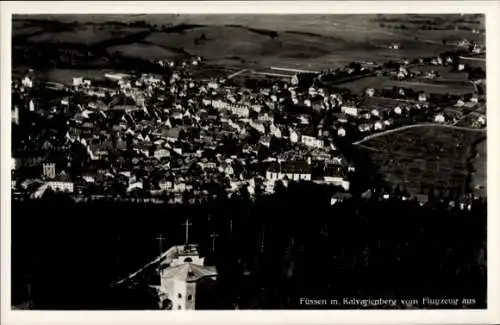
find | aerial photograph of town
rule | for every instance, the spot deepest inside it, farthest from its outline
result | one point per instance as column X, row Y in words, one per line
column 248, row 161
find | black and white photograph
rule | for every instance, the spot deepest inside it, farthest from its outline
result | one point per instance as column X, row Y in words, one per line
column 248, row 161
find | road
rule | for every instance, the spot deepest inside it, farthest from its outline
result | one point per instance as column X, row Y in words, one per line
column 273, row 74
column 472, row 58
column 237, row 73
column 373, row 136
column 293, row 70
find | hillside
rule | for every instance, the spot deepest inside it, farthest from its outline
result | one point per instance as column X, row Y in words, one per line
column 315, row 41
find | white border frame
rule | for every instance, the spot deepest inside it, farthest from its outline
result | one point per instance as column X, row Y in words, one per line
column 490, row 8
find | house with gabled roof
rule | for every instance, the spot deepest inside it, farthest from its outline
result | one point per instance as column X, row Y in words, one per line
column 291, row 170
column 336, row 175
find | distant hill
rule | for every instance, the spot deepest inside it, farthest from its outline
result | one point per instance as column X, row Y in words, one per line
column 317, row 41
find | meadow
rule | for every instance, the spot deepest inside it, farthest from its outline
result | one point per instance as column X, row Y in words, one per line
column 426, row 156
column 453, row 87
column 311, row 41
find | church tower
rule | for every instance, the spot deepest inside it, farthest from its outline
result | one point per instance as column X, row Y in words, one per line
column 185, row 282
column 49, row 170
column 183, row 276
column 180, row 284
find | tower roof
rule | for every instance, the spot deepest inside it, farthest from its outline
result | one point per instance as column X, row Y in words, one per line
column 189, row 272
column 178, row 251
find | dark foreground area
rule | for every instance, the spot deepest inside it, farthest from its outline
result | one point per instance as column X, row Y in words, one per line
column 66, row 254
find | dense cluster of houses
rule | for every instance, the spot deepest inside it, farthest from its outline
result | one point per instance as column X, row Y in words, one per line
column 178, row 137
column 151, row 136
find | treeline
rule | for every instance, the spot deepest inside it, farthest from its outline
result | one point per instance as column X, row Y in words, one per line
column 46, row 56
column 419, row 19
column 428, row 26
column 269, row 253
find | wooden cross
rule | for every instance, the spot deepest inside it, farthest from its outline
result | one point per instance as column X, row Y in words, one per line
column 160, row 239
column 187, row 224
column 213, row 235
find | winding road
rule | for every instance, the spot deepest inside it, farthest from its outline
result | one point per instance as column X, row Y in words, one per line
column 373, row 136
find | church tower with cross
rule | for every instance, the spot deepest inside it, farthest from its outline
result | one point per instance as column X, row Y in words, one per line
column 184, row 279
column 186, row 283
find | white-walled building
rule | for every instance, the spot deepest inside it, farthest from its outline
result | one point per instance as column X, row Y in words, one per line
column 32, row 105
column 77, row 81
column 15, row 115
column 293, row 170
column 377, row 126
column 294, row 136
column 49, row 170
column 311, row 141
column 27, row 82
column 161, row 153
column 439, row 118
column 335, row 175
column 349, row 110
column 341, row 132
column 370, row 92
column 61, row 185
column 184, row 278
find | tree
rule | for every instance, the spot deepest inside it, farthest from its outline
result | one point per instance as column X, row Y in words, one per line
column 49, row 194
column 279, row 187
column 397, row 191
column 244, row 194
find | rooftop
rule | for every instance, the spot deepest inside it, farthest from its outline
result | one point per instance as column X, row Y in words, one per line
column 290, row 167
column 189, row 272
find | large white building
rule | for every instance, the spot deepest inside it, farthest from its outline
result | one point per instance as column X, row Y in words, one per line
column 49, row 170
column 236, row 109
column 184, row 278
column 349, row 110
column 335, row 175
column 294, row 170
column 61, row 185
column 311, row 141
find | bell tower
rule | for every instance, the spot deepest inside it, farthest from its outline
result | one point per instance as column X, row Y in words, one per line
column 183, row 274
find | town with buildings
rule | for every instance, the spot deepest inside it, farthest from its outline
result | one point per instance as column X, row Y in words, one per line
column 167, row 138
column 278, row 144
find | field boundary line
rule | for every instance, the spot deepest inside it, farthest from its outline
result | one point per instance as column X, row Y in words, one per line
column 293, row 70
column 373, row 136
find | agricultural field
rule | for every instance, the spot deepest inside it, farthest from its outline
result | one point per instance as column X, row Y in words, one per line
column 436, row 28
column 420, row 157
column 211, row 71
column 241, row 45
column 89, row 34
column 330, row 25
column 65, row 76
column 453, row 88
column 437, row 86
column 142, row 51
column 314, row 42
